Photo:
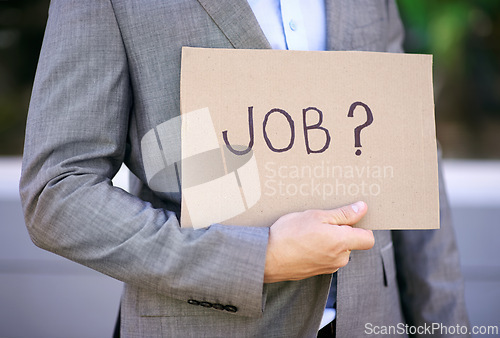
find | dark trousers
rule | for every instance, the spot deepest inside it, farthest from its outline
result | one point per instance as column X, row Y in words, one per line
column 328, row 331
column 116, row 332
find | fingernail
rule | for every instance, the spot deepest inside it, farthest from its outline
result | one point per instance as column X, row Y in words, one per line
column 357, row 206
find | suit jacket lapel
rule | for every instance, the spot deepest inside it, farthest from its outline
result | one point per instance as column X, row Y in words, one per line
column 336, row 14
column 236, row 20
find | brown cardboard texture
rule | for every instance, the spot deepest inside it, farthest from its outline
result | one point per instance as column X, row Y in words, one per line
column 268, row 132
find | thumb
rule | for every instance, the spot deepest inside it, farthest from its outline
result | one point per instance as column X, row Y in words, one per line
column 348, row 214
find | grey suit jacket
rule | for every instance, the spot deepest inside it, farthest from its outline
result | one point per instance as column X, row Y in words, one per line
column 108, row 74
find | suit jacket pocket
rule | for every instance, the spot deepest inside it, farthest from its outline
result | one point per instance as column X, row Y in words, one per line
column 388, row 264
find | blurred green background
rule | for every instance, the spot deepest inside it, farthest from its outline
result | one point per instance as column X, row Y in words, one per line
column 22, row 23
column 463, row 36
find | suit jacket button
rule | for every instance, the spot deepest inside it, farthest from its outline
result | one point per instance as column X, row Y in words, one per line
column 230, row 308
column 218, row 306
column 193, row 302
column 206, row 304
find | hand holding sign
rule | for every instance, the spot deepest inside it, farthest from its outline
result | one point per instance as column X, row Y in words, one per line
column 314, row 242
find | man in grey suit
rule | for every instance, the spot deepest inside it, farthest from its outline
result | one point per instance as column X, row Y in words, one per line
column 108, row 74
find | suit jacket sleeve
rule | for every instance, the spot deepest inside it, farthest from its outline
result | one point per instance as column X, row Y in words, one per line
column 76, row 140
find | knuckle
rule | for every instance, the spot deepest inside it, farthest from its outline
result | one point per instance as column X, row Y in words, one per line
column 344, row 215
column 311, row 213
column 289, row 216
column 344, row 260
column 342, row 237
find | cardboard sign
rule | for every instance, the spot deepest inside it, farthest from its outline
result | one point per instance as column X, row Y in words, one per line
column 269, row 132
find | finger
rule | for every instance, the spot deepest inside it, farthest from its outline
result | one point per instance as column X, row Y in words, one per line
column 359, row 239
column 347, row 215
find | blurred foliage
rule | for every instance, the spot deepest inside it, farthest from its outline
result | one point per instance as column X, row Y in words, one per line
column 463, row 36
column 22, row 24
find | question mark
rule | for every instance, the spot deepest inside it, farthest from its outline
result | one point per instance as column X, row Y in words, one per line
column 357, row 130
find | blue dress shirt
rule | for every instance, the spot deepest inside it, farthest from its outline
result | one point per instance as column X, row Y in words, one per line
column 292, row 24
